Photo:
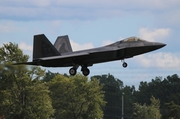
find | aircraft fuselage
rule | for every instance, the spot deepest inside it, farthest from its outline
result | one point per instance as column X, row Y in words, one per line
column 61, row 54
column 108, row 53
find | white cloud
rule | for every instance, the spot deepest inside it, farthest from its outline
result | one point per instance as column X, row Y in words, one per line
column 160, row 60
column 20, row 3
column 155, row 34
column 76, row 46
column 89, row 9
column 153, row 4
column 25, row 46
column 41, row 3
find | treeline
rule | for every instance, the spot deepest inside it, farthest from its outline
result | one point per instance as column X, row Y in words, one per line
column 33, row 93
column 158, row 99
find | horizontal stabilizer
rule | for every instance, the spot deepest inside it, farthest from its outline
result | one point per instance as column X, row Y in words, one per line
column 27, row 63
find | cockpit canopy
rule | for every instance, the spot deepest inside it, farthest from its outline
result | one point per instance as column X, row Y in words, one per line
column 130, row 39
column 127, row 40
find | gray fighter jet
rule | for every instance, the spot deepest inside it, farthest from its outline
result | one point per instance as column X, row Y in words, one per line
column 61, row 54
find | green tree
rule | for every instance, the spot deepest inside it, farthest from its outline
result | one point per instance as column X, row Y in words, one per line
column 49, row 76
column 166, row 90
column 76, row 97
column 140, row 111
column 129, row 100
column 113, row 89
column 174, row 110
column 147, row 112
column 23, row 95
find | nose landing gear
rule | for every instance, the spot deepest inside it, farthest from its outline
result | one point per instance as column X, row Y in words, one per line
column 124, row 64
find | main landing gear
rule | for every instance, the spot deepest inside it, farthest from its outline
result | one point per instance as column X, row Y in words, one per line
column 72, row 71
column 84, row 69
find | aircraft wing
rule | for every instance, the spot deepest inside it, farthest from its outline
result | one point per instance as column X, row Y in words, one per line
column 55, row 61
column 66, row 56
column 86, row 57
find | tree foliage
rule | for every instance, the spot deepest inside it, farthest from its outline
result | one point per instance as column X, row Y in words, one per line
column 76, row 97
column 174, row 110
column 49, row 76
column 114, row 89
column 113, row 92
column 147, row 112
column 22, row 94
column 166, row 90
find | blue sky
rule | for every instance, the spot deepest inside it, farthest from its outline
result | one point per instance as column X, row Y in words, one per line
column 94, row 23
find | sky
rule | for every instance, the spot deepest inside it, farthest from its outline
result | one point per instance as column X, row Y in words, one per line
column 92, row 23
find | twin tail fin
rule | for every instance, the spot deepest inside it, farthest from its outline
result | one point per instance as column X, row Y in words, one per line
column 42, row 47
column 62, row 44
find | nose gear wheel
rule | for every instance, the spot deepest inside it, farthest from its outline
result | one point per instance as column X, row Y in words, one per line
column 124, row 64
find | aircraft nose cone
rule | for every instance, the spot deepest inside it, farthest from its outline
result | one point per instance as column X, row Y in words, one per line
column 159, row 45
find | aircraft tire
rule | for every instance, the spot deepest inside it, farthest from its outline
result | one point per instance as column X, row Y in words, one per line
column 124, row 64
column 72, row 71
column 86, row 72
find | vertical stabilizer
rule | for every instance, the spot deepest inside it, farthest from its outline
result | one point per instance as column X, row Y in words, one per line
column 62, row 44
column 42, row 47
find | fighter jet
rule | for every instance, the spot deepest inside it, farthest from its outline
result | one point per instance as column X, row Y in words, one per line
column 61, row 55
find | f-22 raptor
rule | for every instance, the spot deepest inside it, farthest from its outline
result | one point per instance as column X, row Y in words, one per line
column 61, row 55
